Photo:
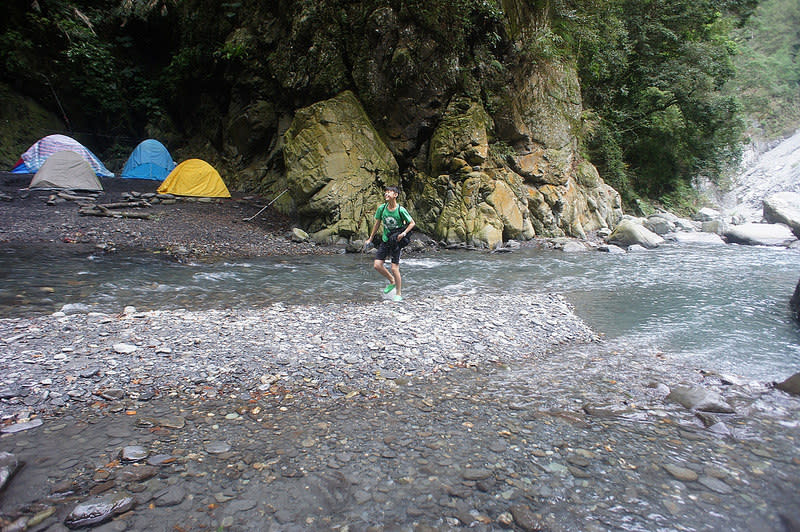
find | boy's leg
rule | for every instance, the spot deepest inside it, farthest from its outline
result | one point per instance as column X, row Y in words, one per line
column 398, row 281
column 378, row 264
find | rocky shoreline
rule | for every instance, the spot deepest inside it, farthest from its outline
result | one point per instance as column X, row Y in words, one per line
column 445, row 413
column 54, row 362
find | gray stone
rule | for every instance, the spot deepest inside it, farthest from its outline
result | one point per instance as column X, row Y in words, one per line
column 99, row 510
column 754, row 234
column 698, row 398
column 783, row 208
column 172, row 496
column 715, row 484
column 218, row 447
column 9, row 464
column 24, row 425
column 790, row 385
column 629, row 233
column 134, row 453
column 681, row 473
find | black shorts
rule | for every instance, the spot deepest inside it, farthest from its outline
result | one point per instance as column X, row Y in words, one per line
column 384, row 250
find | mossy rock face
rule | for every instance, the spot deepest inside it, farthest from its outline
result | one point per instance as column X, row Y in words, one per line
column 461, row 139
column 336, row 166
column 537, row 119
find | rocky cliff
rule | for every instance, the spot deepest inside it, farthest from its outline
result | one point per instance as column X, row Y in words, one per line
column 483, row 142
column 333, row 100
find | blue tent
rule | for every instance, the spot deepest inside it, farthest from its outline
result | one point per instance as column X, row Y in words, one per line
column 149, row 160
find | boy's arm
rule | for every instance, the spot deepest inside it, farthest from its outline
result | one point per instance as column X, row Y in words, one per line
column 409, row 227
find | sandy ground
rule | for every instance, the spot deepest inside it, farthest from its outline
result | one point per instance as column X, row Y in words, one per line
column 186, row 229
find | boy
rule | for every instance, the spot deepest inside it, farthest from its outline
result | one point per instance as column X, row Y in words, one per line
column 393, row 216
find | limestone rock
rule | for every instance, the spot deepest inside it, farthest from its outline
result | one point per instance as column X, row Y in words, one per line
column 659, row 224
column 298, row 235
column 706, row 214
column 754, row 234
column 784, row 208
column 461, row 140
column 629, row 233
column 336, row 166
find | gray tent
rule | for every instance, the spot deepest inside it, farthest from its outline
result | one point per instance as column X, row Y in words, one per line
column 67, row 170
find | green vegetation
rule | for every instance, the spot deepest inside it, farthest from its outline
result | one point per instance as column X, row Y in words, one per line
column 768, row 68
column 652, row 71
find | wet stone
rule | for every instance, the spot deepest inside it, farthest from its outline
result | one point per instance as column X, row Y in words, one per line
column 160, row 459
column 171, row 422
column 242, row 505
column 171, row 496
column 681, row 473
column 9, row 464
column 715, row 484
column 133, row 453
column 113, row 394
column 476, row 474
column 218, row 447
column 19, row 427
column 99, row 510
column 136, row 473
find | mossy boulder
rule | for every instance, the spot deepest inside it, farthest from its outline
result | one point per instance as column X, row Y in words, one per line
column 336, row 166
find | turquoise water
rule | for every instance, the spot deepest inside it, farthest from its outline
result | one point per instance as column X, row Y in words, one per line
column 722, row 306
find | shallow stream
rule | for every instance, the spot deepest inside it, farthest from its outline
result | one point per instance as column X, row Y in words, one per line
column 725, row 307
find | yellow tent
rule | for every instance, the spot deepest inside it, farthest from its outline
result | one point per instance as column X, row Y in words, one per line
column 194, row 177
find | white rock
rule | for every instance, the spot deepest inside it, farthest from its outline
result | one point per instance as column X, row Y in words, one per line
column 125, row 349
column 760, row 234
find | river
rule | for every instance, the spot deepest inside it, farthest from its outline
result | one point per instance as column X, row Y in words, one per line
column 724, row 307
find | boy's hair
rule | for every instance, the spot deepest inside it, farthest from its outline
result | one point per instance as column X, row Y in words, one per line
column 392, row 188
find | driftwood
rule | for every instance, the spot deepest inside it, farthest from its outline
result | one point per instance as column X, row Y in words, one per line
column 100, row 210
column 124, row 204
column 72, row 197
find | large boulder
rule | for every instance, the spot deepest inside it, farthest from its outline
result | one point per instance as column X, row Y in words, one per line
column 754, row 234
column 790, row 385
column 336, row 166
column 784, row 208
column 794, row 303
column 629, row 233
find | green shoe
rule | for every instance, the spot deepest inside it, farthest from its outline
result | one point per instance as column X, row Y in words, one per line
column 397, row 299
column 388, row 289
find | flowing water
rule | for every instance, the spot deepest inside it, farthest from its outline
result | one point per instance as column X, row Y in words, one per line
column 724, row 307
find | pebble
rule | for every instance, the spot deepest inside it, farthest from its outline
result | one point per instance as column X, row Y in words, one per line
column 681, row 473
column 218, row 447
column 133, row 453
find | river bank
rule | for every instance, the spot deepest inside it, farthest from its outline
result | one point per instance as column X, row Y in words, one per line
column 185, row 230
column 503, row 412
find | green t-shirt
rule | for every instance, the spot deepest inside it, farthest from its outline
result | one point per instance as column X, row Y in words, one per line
column 391, row 219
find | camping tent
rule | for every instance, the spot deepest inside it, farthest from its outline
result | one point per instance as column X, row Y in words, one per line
column 66, row 169
column 149, row 160
column 194, row 177
column 33, row 159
